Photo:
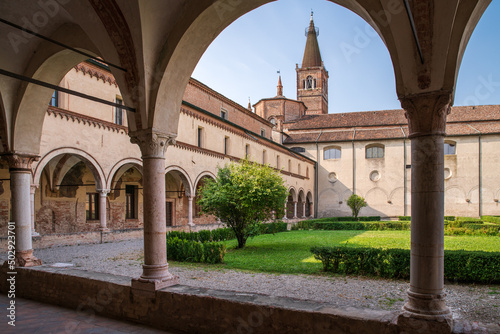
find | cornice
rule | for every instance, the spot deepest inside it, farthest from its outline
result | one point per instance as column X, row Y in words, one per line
column 94, row 71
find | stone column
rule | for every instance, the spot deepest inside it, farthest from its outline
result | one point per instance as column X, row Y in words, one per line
column 311, row 209
column 426, row 306
column 20, row 190
column 295, row 209
column 32, row 196
column 190, row 210
column 103, row 194
column 286, row 210
column 155, row 274
column 303, row 209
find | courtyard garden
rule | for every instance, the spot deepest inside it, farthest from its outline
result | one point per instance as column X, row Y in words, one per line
column 366, row 248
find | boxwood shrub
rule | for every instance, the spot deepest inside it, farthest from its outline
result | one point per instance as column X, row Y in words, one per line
column 460, row 266
column 194, row 251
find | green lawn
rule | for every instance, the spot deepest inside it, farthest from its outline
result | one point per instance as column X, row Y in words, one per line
column 288, row 252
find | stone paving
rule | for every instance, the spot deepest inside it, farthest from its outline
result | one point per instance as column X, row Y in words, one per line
column 38, row 318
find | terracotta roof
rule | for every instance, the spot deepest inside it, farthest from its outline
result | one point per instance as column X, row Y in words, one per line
column 388, row 124
column 390, row 117
column 312, row 56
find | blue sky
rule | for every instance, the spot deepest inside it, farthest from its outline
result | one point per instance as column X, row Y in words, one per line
column 244, row 59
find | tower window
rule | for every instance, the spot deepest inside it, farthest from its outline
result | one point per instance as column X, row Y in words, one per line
column 314, row 83
column 263, row 132
column 309, row 82
column 223, row 113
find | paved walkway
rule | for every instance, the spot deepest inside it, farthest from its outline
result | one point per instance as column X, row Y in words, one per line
column 38, row 318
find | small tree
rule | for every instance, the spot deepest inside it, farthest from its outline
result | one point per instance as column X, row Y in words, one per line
column 243, row 196
column 356, row 202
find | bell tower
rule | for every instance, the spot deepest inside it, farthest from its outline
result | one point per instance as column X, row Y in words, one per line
column 312, row 77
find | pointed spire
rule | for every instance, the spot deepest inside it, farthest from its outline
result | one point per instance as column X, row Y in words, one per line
column 280, row 86
column 249, row 104
column 312, row 56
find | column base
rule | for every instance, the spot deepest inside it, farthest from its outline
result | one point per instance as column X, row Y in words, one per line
column 104, row 229
column 154, row 277
column 426, row 313
column 26, row 259
column 35, row 234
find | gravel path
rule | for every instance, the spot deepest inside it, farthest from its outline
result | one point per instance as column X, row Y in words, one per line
column 468, row 302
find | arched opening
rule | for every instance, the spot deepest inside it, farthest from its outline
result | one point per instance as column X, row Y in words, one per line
column 199, row 218
column 67, row 199
column 177, row 197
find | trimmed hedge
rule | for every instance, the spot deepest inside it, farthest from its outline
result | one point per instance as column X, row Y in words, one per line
column 345, row 219
column 486, row 230
column 352, row 225
column 220, row 234
column 272, row 228
column 463, row 266
column 408, row 218
column 491, row 219
column 194, row 251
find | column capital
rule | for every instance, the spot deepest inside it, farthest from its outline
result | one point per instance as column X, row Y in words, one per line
column 103, row 192
column 33, row 188
column 153, row 144
column 20, row 162
column 426, row 113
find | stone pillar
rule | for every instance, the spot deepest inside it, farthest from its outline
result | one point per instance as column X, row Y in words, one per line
column 20, row 190
column 103, row 194
column 286, row 210
column 426, row 305
column 190, row 210
column 32, row 196
column 311, row 209
column 303, row 209
column 295, row 209
column 155, row 274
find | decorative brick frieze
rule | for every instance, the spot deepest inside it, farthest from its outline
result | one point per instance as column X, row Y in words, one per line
column 85, row 120
column 94, row 71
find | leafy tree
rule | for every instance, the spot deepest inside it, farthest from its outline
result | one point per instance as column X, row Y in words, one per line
column 244, row 195
column 356, row 203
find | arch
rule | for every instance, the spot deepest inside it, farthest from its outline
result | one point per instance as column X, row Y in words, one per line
column 121, row 167
column 292, row 192
column 202, row 175
column 450, row 147
column 454, row 194
column 49, row 64
column 379, row 196
column 309, row 195
column 89, row 161
column 301, row 196
column 183, row 175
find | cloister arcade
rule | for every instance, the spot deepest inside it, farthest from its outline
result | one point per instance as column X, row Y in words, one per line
column 152, row 48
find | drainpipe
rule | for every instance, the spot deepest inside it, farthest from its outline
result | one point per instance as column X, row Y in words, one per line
column 405, row 174
column 316, row 177
column 480, row 172
column 353, row 163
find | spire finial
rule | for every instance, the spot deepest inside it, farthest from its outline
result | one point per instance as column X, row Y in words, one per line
column 280, row 86
column 249, row 104
column 312, row 13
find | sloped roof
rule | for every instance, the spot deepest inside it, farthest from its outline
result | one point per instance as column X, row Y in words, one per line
column 312, row 55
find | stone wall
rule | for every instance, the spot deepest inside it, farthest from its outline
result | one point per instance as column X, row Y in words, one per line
column 191, row 310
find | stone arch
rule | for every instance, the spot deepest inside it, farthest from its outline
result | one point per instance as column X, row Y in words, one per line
column 455, row 194
column 379, row 196
column 292, row 192
column 121, row 167
column 89, row 161
column 198, row 183
column 185, row 179
column 49, row 64
column 301, row 195
column 4, row 133
column 200, row 25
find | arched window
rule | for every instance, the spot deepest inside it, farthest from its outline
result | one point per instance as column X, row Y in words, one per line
column 309, row 82
column 273, row 121
column 289, row 165
column 298, row 169
column 450, row 147
column 374, row 151
column 314, row 83
column 332, row 153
